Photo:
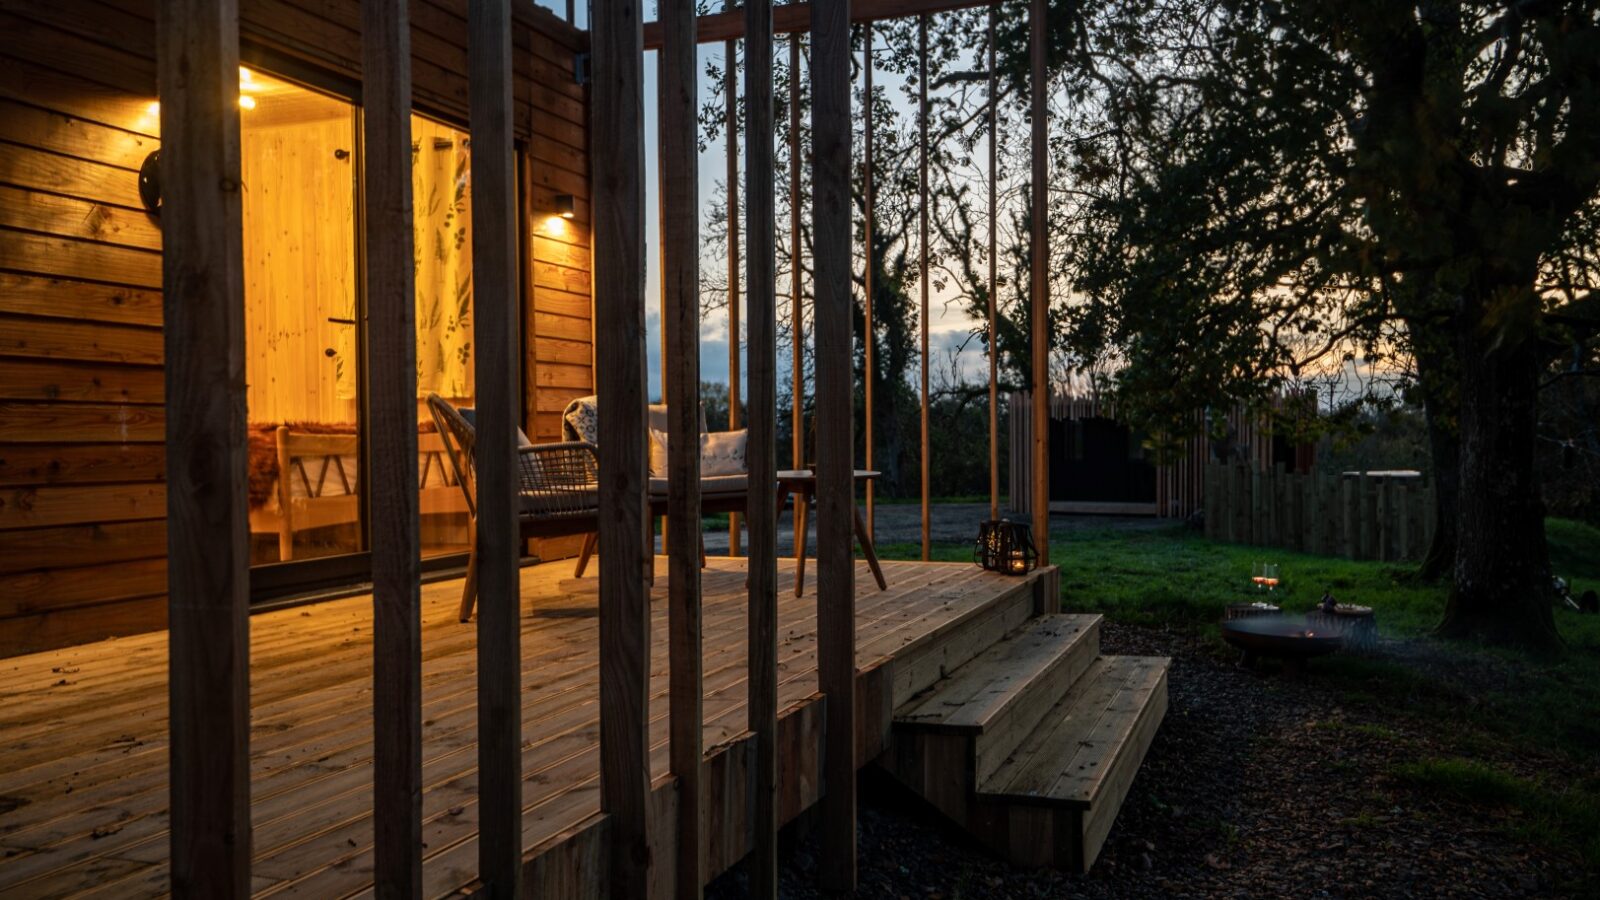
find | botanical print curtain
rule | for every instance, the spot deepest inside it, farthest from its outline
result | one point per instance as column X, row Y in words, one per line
column 441, row 198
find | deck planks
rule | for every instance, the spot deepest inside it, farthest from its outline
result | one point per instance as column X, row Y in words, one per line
column 85, row 789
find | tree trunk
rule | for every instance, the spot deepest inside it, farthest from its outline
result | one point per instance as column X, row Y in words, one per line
column 1444, row 446
column 1502, row 591
column 1438, row 380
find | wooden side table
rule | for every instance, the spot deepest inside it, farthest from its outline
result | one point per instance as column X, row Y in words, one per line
column 802, row 484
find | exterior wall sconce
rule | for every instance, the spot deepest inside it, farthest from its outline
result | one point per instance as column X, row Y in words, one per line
column 566, row 207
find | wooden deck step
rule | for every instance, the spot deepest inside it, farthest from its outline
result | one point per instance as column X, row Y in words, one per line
column 999, row 696
column 1053, row 800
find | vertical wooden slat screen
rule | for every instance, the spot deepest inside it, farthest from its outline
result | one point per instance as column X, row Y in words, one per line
column 1039, row 269
column 731, row 122
column 868, row 339
column 392, row 474
column 616, row 116
column 494, row 279
column 797, row 321
column 994, row 268
column 761, row 454
column 830, row 213
column 208, row 542
column 680, row 325
column 923, row 276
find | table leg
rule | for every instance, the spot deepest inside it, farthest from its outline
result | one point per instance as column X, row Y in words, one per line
column 867, row 549
column 801, row 501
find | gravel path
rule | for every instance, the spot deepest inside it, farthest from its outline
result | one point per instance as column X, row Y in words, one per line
column 1255, row 787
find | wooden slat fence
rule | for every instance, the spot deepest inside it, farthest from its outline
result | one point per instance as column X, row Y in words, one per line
column 1383, row 516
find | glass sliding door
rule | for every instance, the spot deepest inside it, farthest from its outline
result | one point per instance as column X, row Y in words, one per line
column 305, row 320
column 298, row 158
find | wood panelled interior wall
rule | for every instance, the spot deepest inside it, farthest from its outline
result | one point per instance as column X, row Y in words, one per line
column 297, row 162
column 82, row 504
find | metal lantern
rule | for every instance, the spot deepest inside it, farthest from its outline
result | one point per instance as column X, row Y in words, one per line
column 1005, row 546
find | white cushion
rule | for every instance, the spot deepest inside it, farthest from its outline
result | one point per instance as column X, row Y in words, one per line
column 722, row 453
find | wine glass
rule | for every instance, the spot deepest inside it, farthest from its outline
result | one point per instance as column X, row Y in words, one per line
column 1258, row 574
column 1269, row 576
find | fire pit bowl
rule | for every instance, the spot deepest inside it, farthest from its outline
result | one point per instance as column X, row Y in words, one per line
column 1293, row 642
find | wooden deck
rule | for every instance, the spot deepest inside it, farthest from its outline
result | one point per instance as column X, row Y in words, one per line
column 83, row 732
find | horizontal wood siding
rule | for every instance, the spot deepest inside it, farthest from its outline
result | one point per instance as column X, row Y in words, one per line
column 82, row 536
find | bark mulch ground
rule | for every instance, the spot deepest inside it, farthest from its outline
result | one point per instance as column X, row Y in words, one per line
column 1256, row 786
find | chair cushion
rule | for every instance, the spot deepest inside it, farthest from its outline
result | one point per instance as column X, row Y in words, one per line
column 719, row 485
column 576, row 502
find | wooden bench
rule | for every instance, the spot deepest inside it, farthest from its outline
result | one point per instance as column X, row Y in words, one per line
column 329, row 492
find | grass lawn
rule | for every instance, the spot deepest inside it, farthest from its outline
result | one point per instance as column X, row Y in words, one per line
column 1483, row 712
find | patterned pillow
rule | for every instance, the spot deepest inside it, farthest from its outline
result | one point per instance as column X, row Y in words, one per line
column 722, row 453
column 580, row 421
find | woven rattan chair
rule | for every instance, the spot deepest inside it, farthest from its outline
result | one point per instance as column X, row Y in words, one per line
column 557, row 487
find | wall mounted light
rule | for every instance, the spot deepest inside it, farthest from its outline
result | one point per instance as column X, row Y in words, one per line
column 150, row 184
column 566, row 207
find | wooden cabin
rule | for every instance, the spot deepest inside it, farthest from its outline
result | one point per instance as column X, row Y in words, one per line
column 231, row 548
column 82, row 420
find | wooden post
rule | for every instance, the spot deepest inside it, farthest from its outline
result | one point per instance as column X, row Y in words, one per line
column 494, row 279
column 1213, row 477
column 1400, row 508
column 797, row 331
column 1352, row 522
column 392, row 476
column 836, row 620
column 616, row 117
column 208, row 540
column 869, row 337
column 922, row 272
column 731, row 122
column 994, row 221
column 761, row 454
column 1039, row 266
column 1385, row 527
column 680, row 325
column 1257, row 519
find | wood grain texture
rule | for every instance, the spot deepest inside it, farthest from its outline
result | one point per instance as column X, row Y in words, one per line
column 680, row 322
column 617, row 164
column 207, row 507
column 1039, row 273
column 391, row 472
column 498, row 549
column 64, row 298
column 311, row 757
column 761, row 453
column 836, row 652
